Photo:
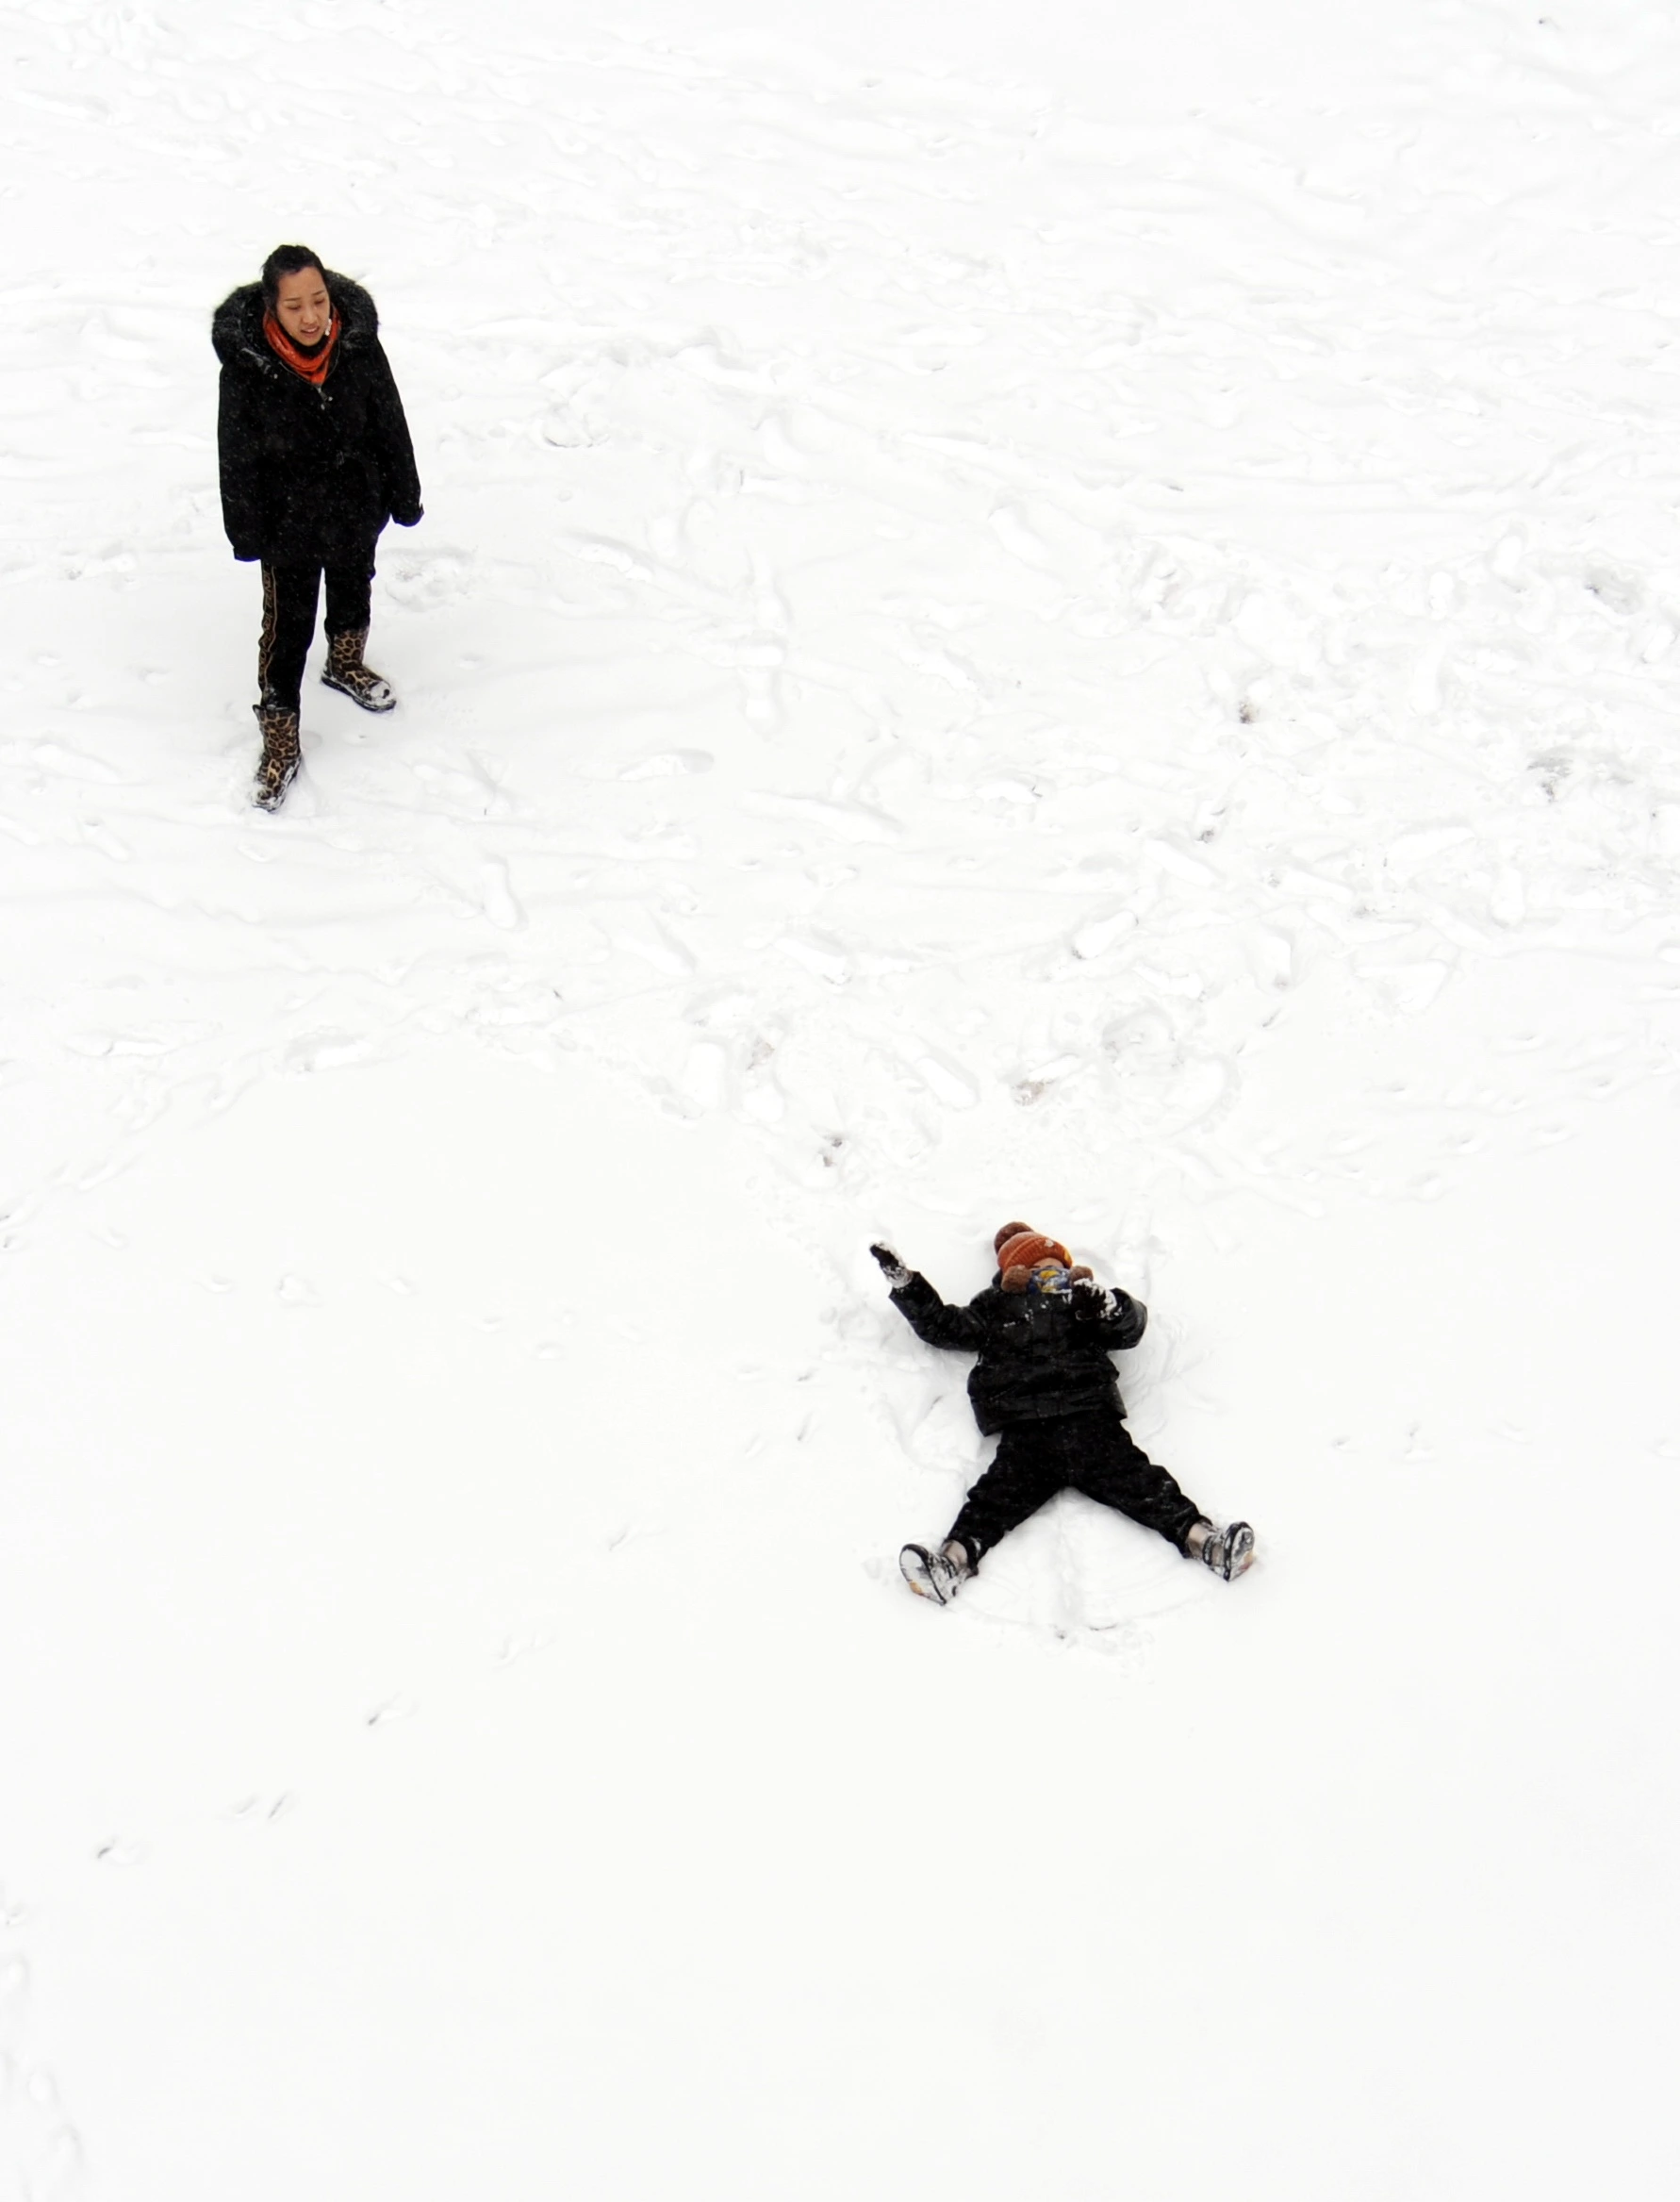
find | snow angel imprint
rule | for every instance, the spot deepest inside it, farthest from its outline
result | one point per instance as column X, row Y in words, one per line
column 1043, row 1330
column 315, row 458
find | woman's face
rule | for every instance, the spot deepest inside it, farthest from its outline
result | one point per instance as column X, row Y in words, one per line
column 303, row 308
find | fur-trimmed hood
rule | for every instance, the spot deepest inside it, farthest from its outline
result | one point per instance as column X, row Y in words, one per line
column 235, row 327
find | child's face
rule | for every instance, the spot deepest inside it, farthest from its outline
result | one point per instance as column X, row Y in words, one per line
column 1050, row 1280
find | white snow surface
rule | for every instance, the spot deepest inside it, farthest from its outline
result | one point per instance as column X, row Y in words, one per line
column 1023, row 611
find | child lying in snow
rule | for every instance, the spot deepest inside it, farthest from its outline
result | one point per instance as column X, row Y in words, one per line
column 1044, row 1332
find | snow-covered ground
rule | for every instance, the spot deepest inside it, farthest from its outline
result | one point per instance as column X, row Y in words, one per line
column 1022, row 612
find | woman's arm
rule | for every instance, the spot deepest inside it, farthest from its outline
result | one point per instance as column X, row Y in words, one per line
column 238, row 448
column 398, row 470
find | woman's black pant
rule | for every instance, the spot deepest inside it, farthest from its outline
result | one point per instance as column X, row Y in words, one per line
column 1094, row 1453
column 289, row 595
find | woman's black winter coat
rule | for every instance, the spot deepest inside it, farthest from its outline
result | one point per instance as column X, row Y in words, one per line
column 310, row 477
column 1039, row 1357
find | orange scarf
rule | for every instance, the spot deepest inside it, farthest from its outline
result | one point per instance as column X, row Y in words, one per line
column 313, row 365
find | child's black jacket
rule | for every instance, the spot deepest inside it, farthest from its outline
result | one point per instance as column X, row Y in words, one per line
column 1039, row 1357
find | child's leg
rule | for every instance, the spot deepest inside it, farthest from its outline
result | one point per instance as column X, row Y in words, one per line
column 349, row 597
column 1028, row 1470
column 290, row 596
column 1106, row 1464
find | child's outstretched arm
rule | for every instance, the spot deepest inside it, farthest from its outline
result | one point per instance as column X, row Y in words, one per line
column 1118, row 1317
column 927, row 1316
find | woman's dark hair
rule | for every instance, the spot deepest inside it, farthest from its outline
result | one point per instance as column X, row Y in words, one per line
column 286, row 259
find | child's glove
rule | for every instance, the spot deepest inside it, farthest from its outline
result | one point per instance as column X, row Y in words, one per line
column 892, row 1269
column 1089, row 1296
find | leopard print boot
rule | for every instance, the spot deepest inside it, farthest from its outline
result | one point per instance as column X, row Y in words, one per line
column 281, row 756
column 346, row 672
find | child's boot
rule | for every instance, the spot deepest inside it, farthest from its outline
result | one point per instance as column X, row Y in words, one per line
column 346, row 672
column 280, row 754
column 936, row 1574
column 1229, row 1551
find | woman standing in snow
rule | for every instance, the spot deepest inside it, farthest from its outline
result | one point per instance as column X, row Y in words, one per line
column 315, row 458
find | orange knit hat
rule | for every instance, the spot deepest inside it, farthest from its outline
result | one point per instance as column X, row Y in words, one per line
column 1028, row 1249
column 1019, row 1256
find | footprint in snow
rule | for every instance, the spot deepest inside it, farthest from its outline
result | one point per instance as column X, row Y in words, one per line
column 668, row 764
column 393, row 1709
column 114, row 1850
column 499, row 904
column 259, row 1811
column 703, row 1078
column 602, row 551
column 56, row 2173
column 72, row 764
column 1097, row 939
column 1017, row 539
column 329, row 1051
column 818, row 955
column 98, row 836
column 654, row 946
column 946, row 1082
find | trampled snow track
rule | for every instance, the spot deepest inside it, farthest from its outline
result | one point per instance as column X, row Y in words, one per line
column 986, row 640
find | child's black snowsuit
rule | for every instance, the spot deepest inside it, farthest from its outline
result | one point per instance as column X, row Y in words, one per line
column 1044, row 1380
